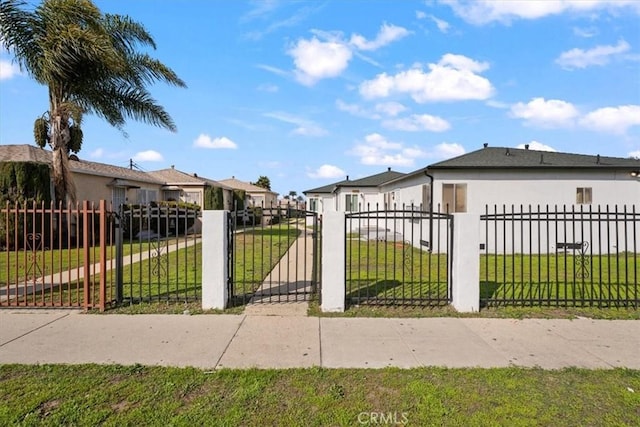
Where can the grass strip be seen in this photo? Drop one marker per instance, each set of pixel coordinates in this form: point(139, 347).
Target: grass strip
point(116, 395)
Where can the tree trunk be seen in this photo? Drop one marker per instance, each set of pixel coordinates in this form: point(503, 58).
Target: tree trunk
point(63, 184)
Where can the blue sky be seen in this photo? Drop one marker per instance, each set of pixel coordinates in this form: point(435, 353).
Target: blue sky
point(306, 92)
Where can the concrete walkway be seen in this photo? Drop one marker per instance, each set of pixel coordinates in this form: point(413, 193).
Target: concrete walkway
point(289, 281)
point(243, 341)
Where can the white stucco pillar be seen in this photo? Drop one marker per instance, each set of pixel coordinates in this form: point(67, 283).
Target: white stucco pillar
point(465, 271)
point(214, 260)
point(333, 262)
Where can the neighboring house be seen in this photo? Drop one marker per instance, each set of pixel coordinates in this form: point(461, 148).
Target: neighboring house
point(181, 186)
point(354, 195)
point(509, 176)
point(94, 181)
point(255, 196)
point(119, 185)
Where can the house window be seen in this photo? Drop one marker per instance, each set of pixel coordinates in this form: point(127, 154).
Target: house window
point(118, 197)
point(146, 196)
point(172, 195)
point(426, 197)
point(313, 205)
point(454, 197)
point(389, 200)
point(583, 195)
point(192, 197)
point(351, 203)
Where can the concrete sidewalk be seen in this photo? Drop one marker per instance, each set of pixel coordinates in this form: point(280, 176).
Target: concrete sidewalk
point(243, 341)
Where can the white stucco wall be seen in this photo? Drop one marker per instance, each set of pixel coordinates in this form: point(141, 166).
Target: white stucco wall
point(525, 188)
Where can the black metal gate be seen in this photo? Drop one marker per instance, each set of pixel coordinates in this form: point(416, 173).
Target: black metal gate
point(398, 257)
point(158, 254)
point(274, 255)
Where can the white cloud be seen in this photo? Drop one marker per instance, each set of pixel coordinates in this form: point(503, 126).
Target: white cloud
point(585, 32)
point(543, 113)
point(418, 122)
point(316, 60)
point(377, 150)
point(97, 153)
point(481, 12)
point(303, 127)
point(8, 70)
point(388, 109)
point(267, 87)
point(327, 171)
point(388, 34)
point(537, 146)
point(378, 141)
point(612, 119)
point(599, 55)
point(391, 109)
point(442, 25)
point(448, 150)
point(497, 104)
point(420, 14)
point(274, 70)
point(148, 156)
point(356, 110)
point(205, 141)
point(453, 78)
point(635, 154)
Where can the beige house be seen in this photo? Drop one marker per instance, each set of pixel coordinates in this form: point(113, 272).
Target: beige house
point(94, 181)
point(256, 196)
point(184, 187)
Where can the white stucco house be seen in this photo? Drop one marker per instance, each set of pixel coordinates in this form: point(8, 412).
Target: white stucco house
point(500, 176)
point(501, 179)
point(353, 195)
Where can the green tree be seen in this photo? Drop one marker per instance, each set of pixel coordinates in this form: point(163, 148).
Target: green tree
point(91, 65)
point(264, 182)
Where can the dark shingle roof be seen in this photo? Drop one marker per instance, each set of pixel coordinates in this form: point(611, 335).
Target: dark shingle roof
point(506, 158)
point(330, 188)
point(367, 181)
point(373, 180)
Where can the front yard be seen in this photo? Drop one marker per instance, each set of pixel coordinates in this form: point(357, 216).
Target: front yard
point(137, 395)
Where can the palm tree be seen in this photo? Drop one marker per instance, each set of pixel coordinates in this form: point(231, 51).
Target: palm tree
point(90, 64)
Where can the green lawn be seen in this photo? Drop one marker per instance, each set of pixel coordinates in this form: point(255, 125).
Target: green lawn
point(16, 266)
point(53, 395)
point(387, 272)
point(256, 252)
point(398, 273)
point(562, 279)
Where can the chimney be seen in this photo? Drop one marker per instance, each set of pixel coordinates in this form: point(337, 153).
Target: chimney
point(526, 146)
point(485, 145)
point(347, 177)
point(173, 166)
point(507, 153)
point(389, 169)
point(598, 159)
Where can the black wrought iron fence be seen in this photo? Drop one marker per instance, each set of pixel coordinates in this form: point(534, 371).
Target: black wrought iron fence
point(561, 256)
point(398, 257)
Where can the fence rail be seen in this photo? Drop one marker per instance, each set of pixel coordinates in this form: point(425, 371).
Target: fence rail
point(55, 256)
point(398, 257)
point(560, 256)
